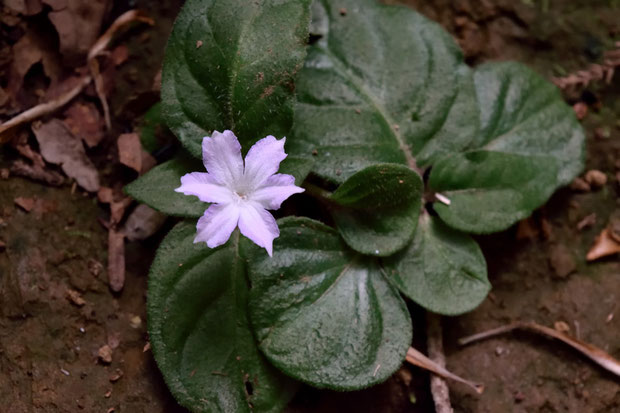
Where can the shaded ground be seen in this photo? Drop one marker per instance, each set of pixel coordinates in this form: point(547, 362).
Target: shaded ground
point(50, 341)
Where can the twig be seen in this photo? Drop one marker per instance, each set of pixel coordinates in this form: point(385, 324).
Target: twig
point(45, 108)
point(594, 353)
point(93, 65)
point(418, 359)
point(434, 343)
point(102, 43)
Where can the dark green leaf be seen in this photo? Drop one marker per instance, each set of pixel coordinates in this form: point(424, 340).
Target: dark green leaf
point(522, 113)
point(199, 331)
point(384, 85)
point(442, 270)
point(377, 209)
point(323, 314)
point(156, 188)
point(529, 145)
point(230, 64)
point(489, 191)
point(296, 166)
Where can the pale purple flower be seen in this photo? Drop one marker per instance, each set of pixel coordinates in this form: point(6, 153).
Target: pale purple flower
point(240, 195)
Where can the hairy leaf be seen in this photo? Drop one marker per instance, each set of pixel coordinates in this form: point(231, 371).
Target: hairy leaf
point(377, 209)
point(443, 270)
point(323, 314)
point(156, 188)
point(199, 330)
point(529, 145)
point(383, 85)
point(230, 64)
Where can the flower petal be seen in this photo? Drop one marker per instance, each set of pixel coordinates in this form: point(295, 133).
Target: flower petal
point(276, 190)
point(217, 223)
point(258, 225)
point(202, 185)
point(221, 155)
point(263, 160)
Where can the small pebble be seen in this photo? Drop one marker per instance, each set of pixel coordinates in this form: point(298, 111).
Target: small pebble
point(595, 178)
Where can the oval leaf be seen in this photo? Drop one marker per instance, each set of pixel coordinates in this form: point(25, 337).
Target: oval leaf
point(325, 315)
point(226, 68)
point(377, 208)
point(156, 188)
point(489, 191)
point(383, 85)
point(199, 331)
point(442, 270)
point(530, 144)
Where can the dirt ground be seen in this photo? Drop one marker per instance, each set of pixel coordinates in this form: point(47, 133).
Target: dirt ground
point(57, 312)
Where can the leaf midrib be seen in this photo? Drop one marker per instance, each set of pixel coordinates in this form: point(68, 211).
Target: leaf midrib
point(367, 95)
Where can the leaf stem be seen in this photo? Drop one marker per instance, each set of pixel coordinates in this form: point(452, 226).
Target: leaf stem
point(317, 191)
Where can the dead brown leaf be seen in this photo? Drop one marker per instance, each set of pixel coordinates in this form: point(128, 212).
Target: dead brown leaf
point(130, 151)
point(34, 172)
point(25, 7)
point(143, 222)
point(76, 298)
point(78, 23)
point(604, 245)
point(32, 48)
point(105, 354)
point(116, 260)
point(84, 121)
point(60, 147)
point(25, 203)
point(418, 359)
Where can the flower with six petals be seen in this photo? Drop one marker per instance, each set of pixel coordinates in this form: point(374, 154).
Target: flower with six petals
point(240, 193)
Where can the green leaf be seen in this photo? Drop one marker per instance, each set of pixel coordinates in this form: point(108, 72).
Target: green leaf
point(156, 188)
point(489, 191)
point(199, 331)
point(442, 270)
point(523, 113)
point(296, 166)
point(323, 314)
point(384, 85)
point(230, 64)
point(377, 209)
point(530, 144)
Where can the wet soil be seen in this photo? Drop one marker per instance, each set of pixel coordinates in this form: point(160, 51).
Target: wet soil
point(55, 256)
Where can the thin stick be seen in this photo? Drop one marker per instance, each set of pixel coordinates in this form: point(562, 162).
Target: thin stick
point(418, 359)
point(45, 108)
point(434, 343)
point(129, 16)
point(594, 353)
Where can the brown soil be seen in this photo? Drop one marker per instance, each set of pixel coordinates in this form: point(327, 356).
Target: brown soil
point(49, 340)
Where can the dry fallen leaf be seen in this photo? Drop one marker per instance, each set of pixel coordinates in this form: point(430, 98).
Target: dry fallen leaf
point(604, 245)
point(130, 151)
point(116, 260)
point(418, 359)
point(25, 7)
point(25, 203)
point(78, 23)
point(33, 48)
point(143, 222)
point(60, 147)
point(105, 354)
point(84, 121)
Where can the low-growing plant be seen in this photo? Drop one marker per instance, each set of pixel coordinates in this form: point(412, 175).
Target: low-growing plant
point(402, 149)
